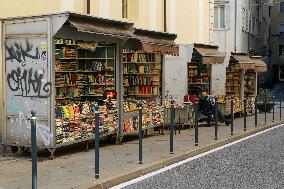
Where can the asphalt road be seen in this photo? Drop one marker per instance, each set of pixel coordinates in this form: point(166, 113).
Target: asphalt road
point(257, 162)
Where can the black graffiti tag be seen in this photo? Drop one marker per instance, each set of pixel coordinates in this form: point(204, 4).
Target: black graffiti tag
point(19, 53)
point(28, 83)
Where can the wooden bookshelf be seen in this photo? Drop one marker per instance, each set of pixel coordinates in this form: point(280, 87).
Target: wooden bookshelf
point(198, 76)
point(80, 70)
point(141, 74)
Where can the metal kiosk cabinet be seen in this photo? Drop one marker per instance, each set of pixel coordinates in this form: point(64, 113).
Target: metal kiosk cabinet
point(28, 64)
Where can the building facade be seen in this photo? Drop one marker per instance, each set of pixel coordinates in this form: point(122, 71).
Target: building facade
point(189, 19)
point(241, 26)
point(277, 39)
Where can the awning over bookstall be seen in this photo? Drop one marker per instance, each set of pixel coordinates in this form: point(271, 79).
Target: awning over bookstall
point(210, 54)
point(156, 42)
point(260, 66)
point(101, 26)
point(244, 60)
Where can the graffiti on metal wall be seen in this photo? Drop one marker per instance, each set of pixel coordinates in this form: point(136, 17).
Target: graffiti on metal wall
point(18, 52)
point(24, 79)
point(28, 83)
point(27, 88)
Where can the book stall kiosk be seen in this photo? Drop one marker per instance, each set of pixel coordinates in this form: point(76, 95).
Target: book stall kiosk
point(240, 83)
point(65, 66)
point(143, 78)
point(200, 68)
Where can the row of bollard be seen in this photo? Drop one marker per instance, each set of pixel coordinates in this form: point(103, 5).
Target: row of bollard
point(172, 128)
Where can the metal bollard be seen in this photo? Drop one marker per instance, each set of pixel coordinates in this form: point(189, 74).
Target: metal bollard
point(140, 135)
point(255, 112)
point(273, 117)
point(196, 122)
point(179, 125)
point(172, 130)
point(175, 127)
point(97, 145)
point(216, 120)
point(280, 98)
point(232, 115)
point(34, 150)
point(245, 114)
point(265, 108)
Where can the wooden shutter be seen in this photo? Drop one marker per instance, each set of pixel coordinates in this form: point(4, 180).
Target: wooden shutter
point(228, 16)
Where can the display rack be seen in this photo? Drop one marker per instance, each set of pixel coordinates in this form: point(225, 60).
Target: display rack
point(198, 75)
point(142, 83)
point(250, 89)
point(141, 74)
point(84, 80)
point(233, 87)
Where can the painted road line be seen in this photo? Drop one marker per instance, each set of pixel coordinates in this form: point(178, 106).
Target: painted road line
point(141, 178)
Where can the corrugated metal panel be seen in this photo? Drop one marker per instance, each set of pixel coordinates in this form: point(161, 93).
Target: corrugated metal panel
point(244, 60)
point(101, 26)
point(29, 27)
point(260, 66)
point(156, 42)
point(210, 54)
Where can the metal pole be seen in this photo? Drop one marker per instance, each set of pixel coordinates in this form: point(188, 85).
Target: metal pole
point(175, 127)
point(273, 118)
point(34, 150)
point(232, 115)
point(216, 120)
point(280, 98)
point(265, 108)
point(179, 123)
point(196, 122)
point(140, 135)
point(245, 114)
point(97, 145)
point(255, 112)
point(172, 130)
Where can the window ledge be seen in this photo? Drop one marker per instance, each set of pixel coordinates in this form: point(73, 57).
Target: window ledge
point(221, 29)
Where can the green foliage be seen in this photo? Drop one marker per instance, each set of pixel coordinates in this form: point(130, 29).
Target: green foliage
point(264, 95)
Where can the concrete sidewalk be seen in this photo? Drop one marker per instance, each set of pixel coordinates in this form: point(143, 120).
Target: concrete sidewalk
point(119, 163)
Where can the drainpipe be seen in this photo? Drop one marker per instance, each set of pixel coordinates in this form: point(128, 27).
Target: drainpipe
point(249, 27)
point(88, 6)
point(165, 15)
point(236, 8)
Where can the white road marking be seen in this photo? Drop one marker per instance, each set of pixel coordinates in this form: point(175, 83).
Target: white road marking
point(189, 159)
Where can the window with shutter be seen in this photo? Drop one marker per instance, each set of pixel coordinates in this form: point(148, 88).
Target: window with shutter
point(221, 16)
point(281, 29)
point(247, 21)
point(216, 17)
point(244, 19)
point(281, 7)
point(250, 24)
point(281, 50)
point(228, 17)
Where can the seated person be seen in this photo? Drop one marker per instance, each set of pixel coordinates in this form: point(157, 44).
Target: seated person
point(206, 103)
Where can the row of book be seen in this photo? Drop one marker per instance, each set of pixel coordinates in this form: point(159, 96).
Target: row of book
point(144, 90)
